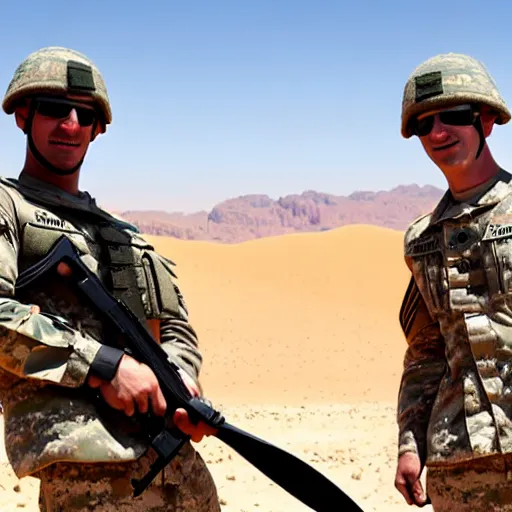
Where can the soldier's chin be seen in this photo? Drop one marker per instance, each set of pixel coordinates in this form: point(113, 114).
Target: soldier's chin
point(63, 167)
point(454, 166)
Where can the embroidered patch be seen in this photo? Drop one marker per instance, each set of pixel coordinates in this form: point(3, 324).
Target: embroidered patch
point(428, 85)
point(44, 219)
point(80, 76)
point(497, 231)
point(422, 246)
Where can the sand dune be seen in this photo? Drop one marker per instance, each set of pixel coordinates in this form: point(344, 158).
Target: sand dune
point(302, 347)
point(297, 318)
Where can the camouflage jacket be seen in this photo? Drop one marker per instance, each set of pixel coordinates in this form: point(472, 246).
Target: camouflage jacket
point(50, 413)
point(455, 398)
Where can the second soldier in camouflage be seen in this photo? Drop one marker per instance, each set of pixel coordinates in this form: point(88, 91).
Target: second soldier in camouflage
point(455, 398)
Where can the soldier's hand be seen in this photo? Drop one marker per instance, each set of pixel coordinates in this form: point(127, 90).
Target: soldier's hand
point(407, 479)
point(134, 385)
point(196, 432)
point(181, 419)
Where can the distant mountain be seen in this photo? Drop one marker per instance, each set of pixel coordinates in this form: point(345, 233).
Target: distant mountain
point(256, 216)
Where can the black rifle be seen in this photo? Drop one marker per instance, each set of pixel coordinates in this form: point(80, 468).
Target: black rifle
point(292, 474)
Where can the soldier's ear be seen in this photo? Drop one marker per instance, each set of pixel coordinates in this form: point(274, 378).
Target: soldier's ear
point(21, 112)
point(97, 131)
point(488, 117)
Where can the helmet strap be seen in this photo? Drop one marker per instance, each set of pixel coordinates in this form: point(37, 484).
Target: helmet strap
point(37, 154)
point(479, 128)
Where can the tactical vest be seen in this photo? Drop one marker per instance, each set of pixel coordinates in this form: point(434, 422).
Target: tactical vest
point(465, 265)
point(463, 268)
point(135, 273)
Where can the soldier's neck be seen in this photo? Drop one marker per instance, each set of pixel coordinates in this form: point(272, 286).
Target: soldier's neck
point(467, 194)
point(474, 180)
point(68, 184)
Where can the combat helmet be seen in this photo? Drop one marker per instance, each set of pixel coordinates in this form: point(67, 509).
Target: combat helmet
point(57, 70)
point(446, 80)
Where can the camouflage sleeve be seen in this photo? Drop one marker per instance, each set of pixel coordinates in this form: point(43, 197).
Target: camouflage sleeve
point(35, 345)
point(424, 366)
point(179, 340)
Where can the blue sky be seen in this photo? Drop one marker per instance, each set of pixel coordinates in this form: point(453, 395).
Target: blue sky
point(213, 99)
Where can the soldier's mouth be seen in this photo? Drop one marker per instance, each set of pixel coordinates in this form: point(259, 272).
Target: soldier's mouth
point(68, 143)
point(446, 146)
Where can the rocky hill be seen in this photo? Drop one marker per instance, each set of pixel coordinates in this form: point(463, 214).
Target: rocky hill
point(256, 216)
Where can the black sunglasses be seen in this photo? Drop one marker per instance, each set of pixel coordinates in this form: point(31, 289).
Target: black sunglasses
point(60, 108)
point(459, 116)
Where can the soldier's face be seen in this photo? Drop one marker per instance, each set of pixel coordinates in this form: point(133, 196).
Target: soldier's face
point(453, 141)
point(451, 144)
point(62, 129)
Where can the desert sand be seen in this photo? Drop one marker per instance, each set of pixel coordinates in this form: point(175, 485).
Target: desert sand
point(303, 348)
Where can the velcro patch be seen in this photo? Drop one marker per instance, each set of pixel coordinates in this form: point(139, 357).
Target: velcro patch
point(80, 76)
point(428, 85)
point(409, 306)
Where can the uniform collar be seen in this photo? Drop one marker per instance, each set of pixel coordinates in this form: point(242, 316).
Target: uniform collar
point(449, 208)
point(50, 191)
point(49, 195)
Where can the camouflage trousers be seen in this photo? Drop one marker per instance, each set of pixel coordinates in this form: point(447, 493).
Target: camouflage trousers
point(185, 485)
point(484, 486)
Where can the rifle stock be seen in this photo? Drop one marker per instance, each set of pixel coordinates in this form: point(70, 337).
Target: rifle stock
point(292, 474)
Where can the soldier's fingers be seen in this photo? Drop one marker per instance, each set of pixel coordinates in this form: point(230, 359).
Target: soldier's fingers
point(129, 406)
point(197, 436)
point(196, 432)
point(158, 401)
point(182, 421)
point(404, 491)
point(207, 429)
point(202, 430)
point(64, 269)
point(142, 402)
point(417, 492)
point(94, 382)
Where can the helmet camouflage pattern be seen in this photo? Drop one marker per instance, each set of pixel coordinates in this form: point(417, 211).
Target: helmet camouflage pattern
point(446, 80)
point(58, 71)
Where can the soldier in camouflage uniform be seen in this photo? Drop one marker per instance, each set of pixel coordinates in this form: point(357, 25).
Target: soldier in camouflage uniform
point(70, 401)
point(455, 399)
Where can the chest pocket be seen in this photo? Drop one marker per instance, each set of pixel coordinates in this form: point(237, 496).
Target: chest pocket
point(428, 269)
point(466, 280)
point(133, 273)
point(37, 240)
point(139, 277)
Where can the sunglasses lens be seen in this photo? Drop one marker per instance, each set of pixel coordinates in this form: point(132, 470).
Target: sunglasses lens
point(85, 116)
point(423, 126)
point(461, 117)
point(55, 110)
point(62, 109)
point(457, 117)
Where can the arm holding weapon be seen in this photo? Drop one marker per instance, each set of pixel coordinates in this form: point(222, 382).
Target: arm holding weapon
point(134, 385)
point(289, 472)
